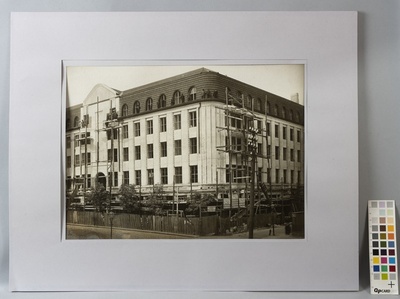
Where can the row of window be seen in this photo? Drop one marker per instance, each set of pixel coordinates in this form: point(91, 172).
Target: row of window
point(256, 104)
point(165, 179)
point(84, 138)
point(163, 149)
point(283, 113)
point(285, 154)
point(113, 155)
point(284, 133)
point(162, 123)
point(239, 174)
point(177, 98)
point(236, 122)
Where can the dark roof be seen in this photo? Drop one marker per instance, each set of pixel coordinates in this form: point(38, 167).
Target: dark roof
point(169, 79)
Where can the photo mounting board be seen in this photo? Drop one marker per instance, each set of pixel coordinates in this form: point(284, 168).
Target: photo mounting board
point(41, 260)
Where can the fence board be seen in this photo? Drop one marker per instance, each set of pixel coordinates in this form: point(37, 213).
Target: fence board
point(208, 225)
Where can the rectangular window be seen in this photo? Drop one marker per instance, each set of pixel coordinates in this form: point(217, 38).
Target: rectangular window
point(137, 129)
point(298, 136)
point(77, 160)
point(115, 179)
point(126, 177)
point(112, 134)
point(259, 148)
point(126, 154)
point(163, 124)
point(193, 119)
point(85, 138)
point(109, 155)
point(88, 181)
point(291, 134)
point(239, 144)
point(163, 149)
point(259, 125)
point(284, 132)
point(193, 174)
point(268, 151)
point(109, 179)
point(68, 142)
point(164, 175)
point(138, 177)
point(276, 131)
point(125, 132)
point(83, 160)
point(298, 156)
point(193, 145)
point(137, 152)
point(150, 151)
point(277, 179)
point(284, 176)
point(227, 176)
point(177, 121)
point(178, 147)
point(291, 155)
point(269, 129)
point(284, 153)
point(178, 175)
point(150, 176)
point(76, 140)
point(291, 176)
point(150, 126)
point(299, 177)
point(68, 161)
point(276, 152)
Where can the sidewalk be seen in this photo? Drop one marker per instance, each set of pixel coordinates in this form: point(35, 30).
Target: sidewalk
point(259, 233)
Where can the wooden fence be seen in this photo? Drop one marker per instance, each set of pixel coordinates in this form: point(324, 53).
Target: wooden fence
point(207, 225)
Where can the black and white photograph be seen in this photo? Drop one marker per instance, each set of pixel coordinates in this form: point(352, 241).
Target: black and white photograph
point(185, 152)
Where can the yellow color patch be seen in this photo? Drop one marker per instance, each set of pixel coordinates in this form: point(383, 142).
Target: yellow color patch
point(375, 260)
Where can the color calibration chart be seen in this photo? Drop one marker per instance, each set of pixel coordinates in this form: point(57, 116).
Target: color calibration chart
point(382, 246)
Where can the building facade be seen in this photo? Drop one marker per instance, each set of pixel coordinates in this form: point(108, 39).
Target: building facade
point(186, 134)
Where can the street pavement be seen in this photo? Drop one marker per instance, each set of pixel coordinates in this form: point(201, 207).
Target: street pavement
point(91, 232)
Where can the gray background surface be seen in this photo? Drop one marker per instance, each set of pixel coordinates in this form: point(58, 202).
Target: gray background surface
point(379, 107)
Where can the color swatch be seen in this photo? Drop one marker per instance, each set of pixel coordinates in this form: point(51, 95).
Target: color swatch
point(382, 246)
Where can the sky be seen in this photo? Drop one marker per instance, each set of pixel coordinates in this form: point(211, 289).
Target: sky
point(283, 80)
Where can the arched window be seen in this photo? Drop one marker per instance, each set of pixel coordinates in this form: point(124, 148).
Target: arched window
point(149, 104)
point(178, 98)
point(290, 114)
point(258, 104)
point(239, 95)
point(249, 102)
point(125, 110)
point(276, 110)
point(283, 112)
point(162, 101)
point(68, 123)
point(136, 107)
point(76, 121)
point(192, 94)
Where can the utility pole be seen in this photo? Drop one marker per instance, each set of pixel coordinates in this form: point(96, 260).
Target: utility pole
point(252, 146)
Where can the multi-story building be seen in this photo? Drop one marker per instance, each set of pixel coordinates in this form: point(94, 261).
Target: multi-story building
point(187, 133)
